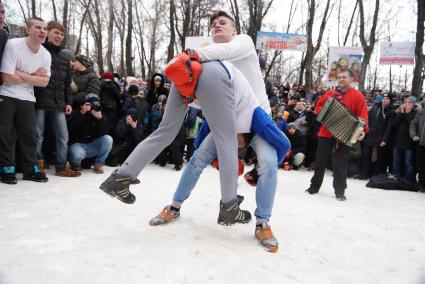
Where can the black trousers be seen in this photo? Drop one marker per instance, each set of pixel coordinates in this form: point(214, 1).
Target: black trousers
point(383, 161)
point(17, 116)
point(340, 154)
point(420, 164)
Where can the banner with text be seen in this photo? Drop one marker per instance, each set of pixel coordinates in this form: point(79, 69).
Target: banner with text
point(343, 58)
point(397, 53)
point(281, 41)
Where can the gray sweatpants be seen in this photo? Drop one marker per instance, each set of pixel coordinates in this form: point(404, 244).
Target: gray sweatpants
point(215, 93)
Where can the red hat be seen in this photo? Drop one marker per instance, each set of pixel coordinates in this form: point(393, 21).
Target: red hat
point(108, 75)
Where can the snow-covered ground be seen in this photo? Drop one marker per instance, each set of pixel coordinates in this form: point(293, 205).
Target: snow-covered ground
point(68, 231)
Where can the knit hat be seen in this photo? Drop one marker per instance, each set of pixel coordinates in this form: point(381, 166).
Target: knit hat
point(157, 77)
point(91, 98)
point(108, 75)
point(82, 59)
point(131, 111)
point(410, 99)
point(133, 90)
point(386, 95)
point(291, 125)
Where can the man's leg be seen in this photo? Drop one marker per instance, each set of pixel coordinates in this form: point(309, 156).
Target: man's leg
point(26, 131)
point(77, 153)
point(201, 158)
point(40, 115)
point(61, 139)
point(215, 93)
point(267, 180)
point(99, 148)
point(324, 149)
point(340, 159)
point(149, 149)
point(8, 108)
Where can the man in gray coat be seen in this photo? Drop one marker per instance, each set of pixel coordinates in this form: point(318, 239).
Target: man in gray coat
point(417, 133)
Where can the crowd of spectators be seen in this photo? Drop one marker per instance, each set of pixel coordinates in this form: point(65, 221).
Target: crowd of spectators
point(83, 120)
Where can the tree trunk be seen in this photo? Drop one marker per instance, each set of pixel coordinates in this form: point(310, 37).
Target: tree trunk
point(312, 50)
point(33, 6)
point(55, 14)
point(128, 41)
point(65, 22)
point(170, 49)
point(110, 35)
point(419, 54)
point(367, 48)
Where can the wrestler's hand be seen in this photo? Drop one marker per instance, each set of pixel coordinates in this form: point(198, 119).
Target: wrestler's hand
point(193, 54)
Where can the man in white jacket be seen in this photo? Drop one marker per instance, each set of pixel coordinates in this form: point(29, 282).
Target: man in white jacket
point(240, 51)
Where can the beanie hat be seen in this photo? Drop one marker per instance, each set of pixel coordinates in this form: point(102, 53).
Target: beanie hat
point(386, 95)
point(82, 59)
point(410, 99)
point(131, 111)
point(108, 75)
point(157, 77)
point(91, 98)
point(133, 90)
point(291, 125)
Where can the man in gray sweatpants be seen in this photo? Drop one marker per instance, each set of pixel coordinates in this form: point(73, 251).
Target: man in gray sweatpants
point(215, 94)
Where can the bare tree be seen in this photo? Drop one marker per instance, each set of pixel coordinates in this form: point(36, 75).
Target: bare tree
point(419, 53)
point(234, 7)
point(140, 42)
point(311, 49)
point(86, 7)
point(172, 42)
point(128, 41)
point(33, 8)
point(258, 9)
point(65, 21)
point(367, 47)
point(55, 13)
point(110, 35)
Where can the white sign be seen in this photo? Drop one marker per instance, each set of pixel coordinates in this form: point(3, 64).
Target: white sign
point(397, 53)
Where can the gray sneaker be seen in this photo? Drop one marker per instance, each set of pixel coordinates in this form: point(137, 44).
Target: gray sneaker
point(117, 186)
point(233, 214)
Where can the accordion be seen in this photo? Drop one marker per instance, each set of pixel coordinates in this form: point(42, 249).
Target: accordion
point(340, 121)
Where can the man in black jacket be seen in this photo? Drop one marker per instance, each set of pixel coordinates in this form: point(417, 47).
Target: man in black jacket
point(298, 141)
point(55, 100)
point(376, 156)
point(88, 135)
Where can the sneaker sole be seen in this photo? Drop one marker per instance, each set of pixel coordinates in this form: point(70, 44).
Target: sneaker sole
point(114, 195)
point(271, 249)
point(165, 223)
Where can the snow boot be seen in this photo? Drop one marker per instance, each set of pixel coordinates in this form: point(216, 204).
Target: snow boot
point(233, 214)
point(117, 186)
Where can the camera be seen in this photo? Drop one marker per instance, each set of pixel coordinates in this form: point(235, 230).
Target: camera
point(95, 106)
point(134, 117)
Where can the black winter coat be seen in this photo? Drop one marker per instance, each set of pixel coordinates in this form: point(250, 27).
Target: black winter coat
point(398, 129)
point(378, 122)
point(85, 128)
point(57, 94)
point(298, 142)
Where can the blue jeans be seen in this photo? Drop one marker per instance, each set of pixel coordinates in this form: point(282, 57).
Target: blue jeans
point(99, 148)
point(403, 157)
point(267, 182)
point(58, 122)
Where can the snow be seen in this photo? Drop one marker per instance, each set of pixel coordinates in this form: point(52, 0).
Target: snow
point(68, 231)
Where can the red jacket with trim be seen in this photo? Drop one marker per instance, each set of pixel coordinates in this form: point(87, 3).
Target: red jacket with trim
point(352, 98)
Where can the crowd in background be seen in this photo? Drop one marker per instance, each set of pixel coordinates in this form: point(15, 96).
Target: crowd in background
point(84, 121)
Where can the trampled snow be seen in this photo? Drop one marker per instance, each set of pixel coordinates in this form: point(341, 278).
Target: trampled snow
point(68, 231)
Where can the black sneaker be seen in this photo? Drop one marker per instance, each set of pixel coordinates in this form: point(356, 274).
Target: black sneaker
point(340, 197)
point(177, 167)
point(36, 175)
point(421, 189)
point(233, 214)
point(312, 190)
point(118, 187)
point(8, 175)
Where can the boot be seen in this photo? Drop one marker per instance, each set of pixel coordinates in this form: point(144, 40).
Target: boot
point(117, 186)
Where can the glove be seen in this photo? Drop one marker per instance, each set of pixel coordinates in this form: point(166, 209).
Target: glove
point(193, 54)
point(251, 177)
point(241, 167)
point(184, 73)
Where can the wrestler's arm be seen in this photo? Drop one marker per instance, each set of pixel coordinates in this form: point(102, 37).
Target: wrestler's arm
point(241, 46)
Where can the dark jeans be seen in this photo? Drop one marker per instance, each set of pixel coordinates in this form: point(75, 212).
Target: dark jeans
point(340, 154)
point(420, 162)
point(17, 116)
point(403, 164)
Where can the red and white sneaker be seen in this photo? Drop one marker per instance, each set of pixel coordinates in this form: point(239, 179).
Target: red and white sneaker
point(263, 233)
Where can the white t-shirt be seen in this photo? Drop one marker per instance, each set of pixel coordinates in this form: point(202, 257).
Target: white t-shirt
point(18, 56)
point(245, 100)
point(241, 53)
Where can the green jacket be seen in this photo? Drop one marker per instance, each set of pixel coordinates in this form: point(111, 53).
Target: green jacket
point(84, 83)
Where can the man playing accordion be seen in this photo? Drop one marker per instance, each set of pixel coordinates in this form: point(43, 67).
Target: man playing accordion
point(329, 145)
